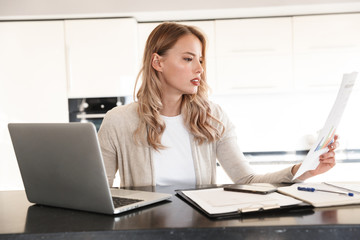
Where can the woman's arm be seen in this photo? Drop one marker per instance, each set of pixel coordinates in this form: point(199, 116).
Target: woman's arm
point(239, 170)
point(235, 163)
point(108, 149)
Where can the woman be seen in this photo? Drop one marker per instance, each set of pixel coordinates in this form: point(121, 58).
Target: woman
point(173, 134)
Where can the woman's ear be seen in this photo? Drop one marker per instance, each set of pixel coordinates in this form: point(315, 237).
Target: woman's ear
point(155, 62)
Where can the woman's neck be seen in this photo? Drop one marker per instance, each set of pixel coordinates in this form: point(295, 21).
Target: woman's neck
point(171, 106)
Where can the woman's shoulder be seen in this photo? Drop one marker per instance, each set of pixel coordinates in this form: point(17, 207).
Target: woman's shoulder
point(124, 109)
point(216, 109)
point(123, 114)
point(218, 112)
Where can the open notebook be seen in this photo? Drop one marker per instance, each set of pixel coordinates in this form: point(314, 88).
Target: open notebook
point(324, 195)
point(216, 202)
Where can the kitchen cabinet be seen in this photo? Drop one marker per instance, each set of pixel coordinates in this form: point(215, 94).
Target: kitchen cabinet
point(32, 84)
point(325, 47)
point(253, 54)
point(207, 27)
point(144, 30)
point(101, 57)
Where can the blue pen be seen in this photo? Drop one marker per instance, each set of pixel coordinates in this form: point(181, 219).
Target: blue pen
point(310, 189)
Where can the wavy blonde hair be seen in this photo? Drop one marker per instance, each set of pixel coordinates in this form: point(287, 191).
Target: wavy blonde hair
point(195, 108)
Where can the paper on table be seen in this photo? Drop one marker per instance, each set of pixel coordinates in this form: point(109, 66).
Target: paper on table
point(217, 201)
point(328, 132)
point(319, 198)
point(348, 186)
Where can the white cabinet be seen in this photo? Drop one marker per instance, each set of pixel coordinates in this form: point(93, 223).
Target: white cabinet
point(253, 53)
point(32, 84)
point(101, 56)
point(207, 27)
point(144, 30)
point(325, 47)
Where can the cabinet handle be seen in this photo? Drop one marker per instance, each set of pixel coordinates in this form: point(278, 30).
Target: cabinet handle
point(338, 47)
point(68, 68)
point(255, 50)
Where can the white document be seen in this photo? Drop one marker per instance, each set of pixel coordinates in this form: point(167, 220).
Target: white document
point(320, 198)
point(348, 186)
point(217, 201)
point(327, 133)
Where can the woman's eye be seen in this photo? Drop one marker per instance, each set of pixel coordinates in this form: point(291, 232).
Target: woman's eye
point(188, 59)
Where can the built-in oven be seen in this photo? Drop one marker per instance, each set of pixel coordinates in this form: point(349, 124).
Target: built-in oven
point(92, 109)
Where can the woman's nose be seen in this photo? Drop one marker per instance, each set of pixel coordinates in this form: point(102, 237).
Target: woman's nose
point(199, 68)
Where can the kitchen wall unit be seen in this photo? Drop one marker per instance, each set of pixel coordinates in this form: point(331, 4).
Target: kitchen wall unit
point(253, 53)
point(207, 27)
point(287, 62)
point(325, 47)
point(32, 84)
point(144, 30)
point(101, 56)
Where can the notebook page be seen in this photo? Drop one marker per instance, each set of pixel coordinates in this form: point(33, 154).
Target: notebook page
point(217, 201)
point(319, 198)
point(348, 186)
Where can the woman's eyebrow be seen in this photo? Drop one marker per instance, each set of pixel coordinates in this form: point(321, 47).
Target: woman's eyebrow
point(192, 54)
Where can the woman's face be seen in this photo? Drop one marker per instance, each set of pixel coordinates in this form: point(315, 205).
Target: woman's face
point(180, 68)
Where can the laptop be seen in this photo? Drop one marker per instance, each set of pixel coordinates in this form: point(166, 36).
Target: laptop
point(61, 165)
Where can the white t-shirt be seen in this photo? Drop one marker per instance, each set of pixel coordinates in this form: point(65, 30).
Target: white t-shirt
point(174, 165)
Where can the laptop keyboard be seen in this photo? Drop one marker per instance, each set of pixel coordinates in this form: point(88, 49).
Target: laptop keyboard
point(120, 201)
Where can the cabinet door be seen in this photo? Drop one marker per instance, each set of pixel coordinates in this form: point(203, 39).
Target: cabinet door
point(32, 84)
point(207, 27)
point(325, 47)
point(101, 57)
point(144, 30)
point(253, 53)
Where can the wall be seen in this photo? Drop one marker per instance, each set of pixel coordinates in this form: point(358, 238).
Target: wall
point(159, 10)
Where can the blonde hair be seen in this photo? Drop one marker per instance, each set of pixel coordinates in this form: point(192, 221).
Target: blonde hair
point(195, 108)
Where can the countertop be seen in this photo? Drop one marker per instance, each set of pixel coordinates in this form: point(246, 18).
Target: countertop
point(175, 219)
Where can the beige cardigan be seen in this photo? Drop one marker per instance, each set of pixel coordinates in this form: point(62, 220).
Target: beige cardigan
point(135, 162)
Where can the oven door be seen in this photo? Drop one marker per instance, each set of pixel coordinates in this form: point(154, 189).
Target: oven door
point(92, 109)
point(95, 118)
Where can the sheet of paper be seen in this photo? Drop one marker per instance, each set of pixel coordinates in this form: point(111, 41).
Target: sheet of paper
point(320, 198)
point(328, 131)
point(349, 186)
point(216, 200)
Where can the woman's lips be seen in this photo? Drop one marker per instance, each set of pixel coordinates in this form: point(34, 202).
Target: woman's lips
point(195, 81)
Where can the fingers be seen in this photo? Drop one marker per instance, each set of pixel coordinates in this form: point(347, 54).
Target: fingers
point(335, 144)
point(330, 161)
point(328, 155)
point(328, 158)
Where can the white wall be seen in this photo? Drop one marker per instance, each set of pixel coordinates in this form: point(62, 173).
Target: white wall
point(158, 10)
point(32, 84)
point(288, 121)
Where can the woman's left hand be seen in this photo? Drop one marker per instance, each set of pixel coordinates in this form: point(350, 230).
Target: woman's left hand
point(327, 161)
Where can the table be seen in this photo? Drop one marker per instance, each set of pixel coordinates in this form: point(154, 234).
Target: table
point(174, 219)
